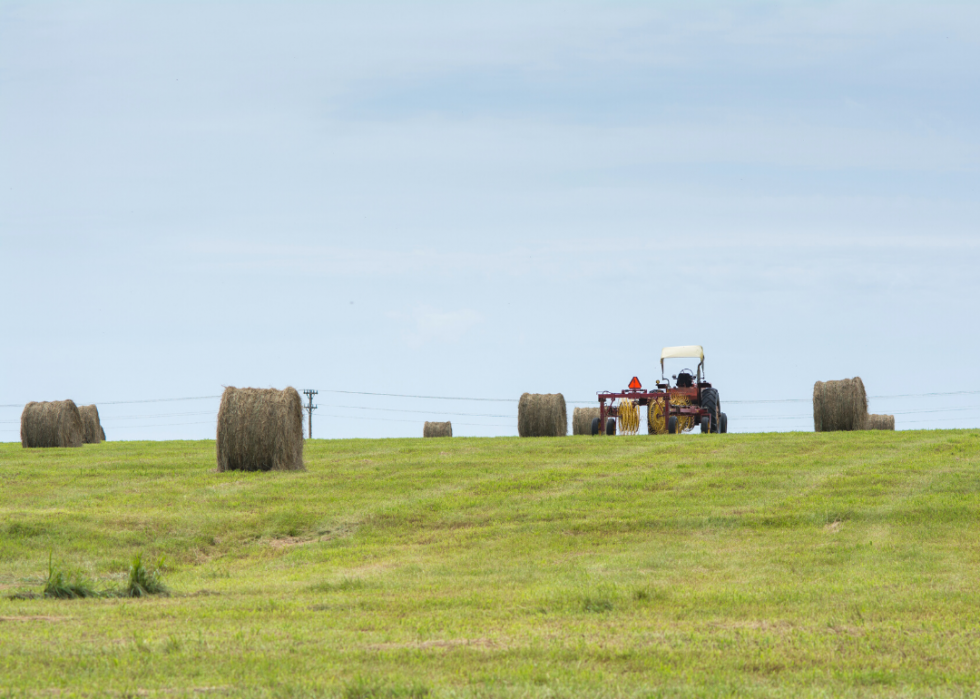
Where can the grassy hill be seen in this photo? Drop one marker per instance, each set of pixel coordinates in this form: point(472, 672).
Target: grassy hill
point(801, 564)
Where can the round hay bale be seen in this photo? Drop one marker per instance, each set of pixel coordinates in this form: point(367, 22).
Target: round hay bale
point(92, 424)
point(542, 415)
point(260, 429)
point(582, 420)
point(839, 405)
point(102, 430)
point(437, 429)
point(880, 422)
point(54, 423)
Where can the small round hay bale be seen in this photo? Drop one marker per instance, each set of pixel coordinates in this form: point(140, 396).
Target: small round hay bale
point(839, 405)
point(54, 423)
point(437, 429)
point(260, 429)
point(582, 420)
point(542, 415)
point(880, 422)
point(92, 424)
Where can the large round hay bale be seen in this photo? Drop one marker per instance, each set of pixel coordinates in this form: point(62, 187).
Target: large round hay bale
point(54, 423)
point(839, 405)
point(582, 420)
point(260, 429)
point(542, 415)
point(880, 422)
point(102, 430)
point(437, 429)
point(91, 423)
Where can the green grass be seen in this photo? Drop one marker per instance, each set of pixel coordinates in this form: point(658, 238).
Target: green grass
point(142, 581)
point(62, 584)
point(778, 565)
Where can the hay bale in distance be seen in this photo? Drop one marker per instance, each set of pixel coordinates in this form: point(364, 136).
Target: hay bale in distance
point(582, 420)
point(437, 429)
point(260, 429)
point(839, 405)
point(880, 422)
point(102, 430)
point(542, 415)
point(90, 420)
point(54, 423)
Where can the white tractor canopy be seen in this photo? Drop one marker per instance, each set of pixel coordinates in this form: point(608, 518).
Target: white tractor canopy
point(685, 352)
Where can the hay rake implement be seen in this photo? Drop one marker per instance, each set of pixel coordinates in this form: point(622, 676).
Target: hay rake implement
point(673, 409)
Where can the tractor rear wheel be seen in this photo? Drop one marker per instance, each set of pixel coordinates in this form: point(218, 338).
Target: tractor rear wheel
point(705, 425)
point(724, 423)
point(711, 403)
point(672, 424)
point(611, 427)
point(595, 426)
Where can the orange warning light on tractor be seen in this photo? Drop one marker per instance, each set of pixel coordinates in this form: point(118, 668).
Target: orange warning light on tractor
point(635, 383)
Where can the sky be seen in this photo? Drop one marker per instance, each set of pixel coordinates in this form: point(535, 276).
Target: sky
point(474, 200)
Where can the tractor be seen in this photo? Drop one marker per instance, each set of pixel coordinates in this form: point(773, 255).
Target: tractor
point(670, 409)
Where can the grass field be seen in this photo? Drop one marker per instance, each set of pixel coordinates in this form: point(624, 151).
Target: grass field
point(782, 565)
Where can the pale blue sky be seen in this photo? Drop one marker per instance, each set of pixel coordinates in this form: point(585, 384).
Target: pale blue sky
point(483, 199)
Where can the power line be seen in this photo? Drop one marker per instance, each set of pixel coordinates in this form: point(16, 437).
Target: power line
point(389, 419)
point(133, 417)
point(402, 395)
point(155, 400)
point(774, 400)
point(140, 417)
point(424, 412)
point(904, 412)
point(127, 402)
point(589, 402)
point(514, 400)
point(167, 424)
point(491, 415)
point(129, 427)
point(922, 395)
point(938, 419)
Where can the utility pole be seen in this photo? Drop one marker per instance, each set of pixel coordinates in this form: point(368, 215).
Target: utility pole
point(309, 393)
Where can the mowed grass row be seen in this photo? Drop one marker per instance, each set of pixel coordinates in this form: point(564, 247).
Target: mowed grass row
point(835, 564)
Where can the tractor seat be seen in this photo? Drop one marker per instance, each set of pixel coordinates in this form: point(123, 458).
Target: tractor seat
point(685, 380)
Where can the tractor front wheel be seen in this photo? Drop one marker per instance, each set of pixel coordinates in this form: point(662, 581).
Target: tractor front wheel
point(724, 423)
point(672, 424)
point(705, 425)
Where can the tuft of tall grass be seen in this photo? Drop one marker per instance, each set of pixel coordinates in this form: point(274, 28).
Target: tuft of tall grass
point(63, 585)
point(142, 581)
point(596, 605)
point(340, 586)
point(363, 689)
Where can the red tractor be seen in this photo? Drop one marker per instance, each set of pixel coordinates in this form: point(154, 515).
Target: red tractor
point(670, 410)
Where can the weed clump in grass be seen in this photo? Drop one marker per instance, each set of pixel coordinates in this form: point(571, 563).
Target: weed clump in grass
point(646, 594)
point(596, 605)
point(340, 586)
point(172, 645)
point(142, 581)
point(63, 585)
point(362, 689)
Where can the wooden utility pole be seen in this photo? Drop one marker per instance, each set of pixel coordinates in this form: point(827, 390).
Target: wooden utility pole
point(309, 393)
